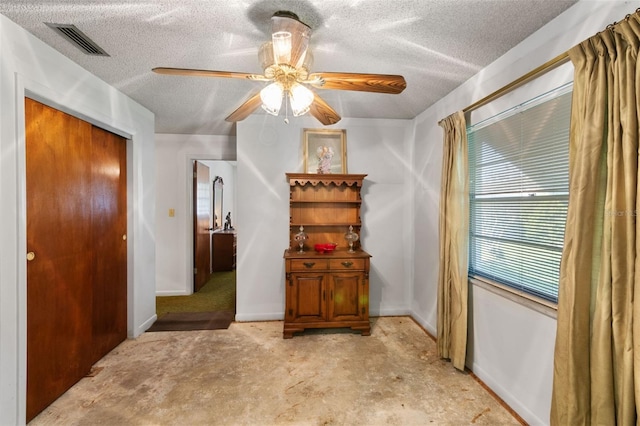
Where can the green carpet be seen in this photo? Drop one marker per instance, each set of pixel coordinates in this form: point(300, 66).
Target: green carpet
point(218, 294)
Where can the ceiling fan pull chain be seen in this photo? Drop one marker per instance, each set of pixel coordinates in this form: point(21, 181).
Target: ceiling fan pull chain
point(286, 110)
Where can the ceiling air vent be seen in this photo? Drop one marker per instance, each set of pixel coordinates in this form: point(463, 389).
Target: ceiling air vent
point(78, 39)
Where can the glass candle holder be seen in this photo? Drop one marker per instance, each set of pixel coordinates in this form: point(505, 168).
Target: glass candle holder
point(351, 238)
point(300, 238)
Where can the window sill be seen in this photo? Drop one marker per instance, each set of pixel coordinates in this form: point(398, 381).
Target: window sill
point(542, 306)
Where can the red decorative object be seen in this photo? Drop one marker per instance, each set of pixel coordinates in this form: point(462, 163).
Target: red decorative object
point(325, 248)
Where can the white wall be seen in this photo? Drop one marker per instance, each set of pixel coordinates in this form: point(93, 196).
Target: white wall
point(510, 345)
point(174, 235)
point(267, 149)
point(400, 209)
point(29, 66)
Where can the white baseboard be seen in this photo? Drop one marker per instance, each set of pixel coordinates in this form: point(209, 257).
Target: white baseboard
point(389, 312)
point(144, 326)
point(249, 317)
point(172, 293)
point(507, 397)
point(423, 323)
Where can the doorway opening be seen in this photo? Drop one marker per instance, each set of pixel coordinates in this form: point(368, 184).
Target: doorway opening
point(213, 233)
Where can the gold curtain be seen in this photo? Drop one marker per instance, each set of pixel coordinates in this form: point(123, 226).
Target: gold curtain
point(596, 365)
point(454, 242)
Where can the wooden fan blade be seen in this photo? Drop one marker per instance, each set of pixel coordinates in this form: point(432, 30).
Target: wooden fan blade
point(245, 109)
point(323, 112)
point(379, 83)
point(207, 73)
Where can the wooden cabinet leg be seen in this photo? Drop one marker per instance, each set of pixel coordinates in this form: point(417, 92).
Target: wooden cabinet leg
point(364, 330)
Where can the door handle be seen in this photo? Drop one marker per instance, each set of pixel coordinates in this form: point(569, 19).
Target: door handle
point(30, 256)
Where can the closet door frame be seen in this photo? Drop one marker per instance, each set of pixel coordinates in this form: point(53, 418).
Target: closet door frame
point(27, 88)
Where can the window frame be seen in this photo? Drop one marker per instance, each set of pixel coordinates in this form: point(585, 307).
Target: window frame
point(540, 304)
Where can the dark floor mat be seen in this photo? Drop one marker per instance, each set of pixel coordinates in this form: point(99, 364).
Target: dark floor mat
point(182, 321)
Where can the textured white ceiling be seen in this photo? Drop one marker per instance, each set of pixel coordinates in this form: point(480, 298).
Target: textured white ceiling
point(435, 44)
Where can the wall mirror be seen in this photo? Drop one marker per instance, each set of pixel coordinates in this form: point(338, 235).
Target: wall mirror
point(218, 218)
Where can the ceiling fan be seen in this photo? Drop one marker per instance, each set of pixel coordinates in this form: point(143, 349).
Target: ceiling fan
point(286, 61)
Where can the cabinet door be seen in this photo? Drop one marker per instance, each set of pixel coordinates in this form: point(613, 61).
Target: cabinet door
point(223, 251)
point(347, 299)
point(306, 298)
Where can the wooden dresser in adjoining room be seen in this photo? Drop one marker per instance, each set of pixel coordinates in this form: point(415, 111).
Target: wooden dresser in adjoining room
point(223, 245)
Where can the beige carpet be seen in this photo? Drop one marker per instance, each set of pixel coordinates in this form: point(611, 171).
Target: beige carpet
point(249, 375)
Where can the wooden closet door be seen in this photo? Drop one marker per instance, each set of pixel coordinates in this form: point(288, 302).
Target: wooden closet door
point(109, 230)
point(59, 300)
point(76, 278)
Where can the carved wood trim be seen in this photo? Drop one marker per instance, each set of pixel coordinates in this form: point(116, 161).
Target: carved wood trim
point(317, 179)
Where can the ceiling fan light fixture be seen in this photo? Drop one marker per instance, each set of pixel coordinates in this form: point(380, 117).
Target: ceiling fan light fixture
point(271, 97)
point(286, 62)
point(300, 99)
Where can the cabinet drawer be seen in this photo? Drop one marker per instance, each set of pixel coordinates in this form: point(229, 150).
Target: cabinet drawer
point(346, 264)
point(308, 264)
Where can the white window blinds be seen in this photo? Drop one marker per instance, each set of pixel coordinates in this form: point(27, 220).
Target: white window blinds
point(519, 190)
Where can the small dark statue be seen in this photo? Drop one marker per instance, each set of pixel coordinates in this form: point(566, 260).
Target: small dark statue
point(227, 223)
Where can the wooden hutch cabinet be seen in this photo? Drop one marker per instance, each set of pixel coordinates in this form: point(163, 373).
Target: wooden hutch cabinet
point(325, 290)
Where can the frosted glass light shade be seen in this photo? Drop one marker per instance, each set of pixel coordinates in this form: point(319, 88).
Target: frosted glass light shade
point(271, 97)
point(281, 47)
point(295, 45)
point(300, 99)
point(265, 55)
point(308, 60)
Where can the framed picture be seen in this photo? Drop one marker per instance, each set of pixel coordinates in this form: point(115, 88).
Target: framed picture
point(325, 151)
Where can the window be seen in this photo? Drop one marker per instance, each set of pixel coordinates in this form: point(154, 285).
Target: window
point(519, 192)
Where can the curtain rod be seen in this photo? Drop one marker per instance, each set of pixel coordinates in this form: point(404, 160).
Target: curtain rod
point(547, 66)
